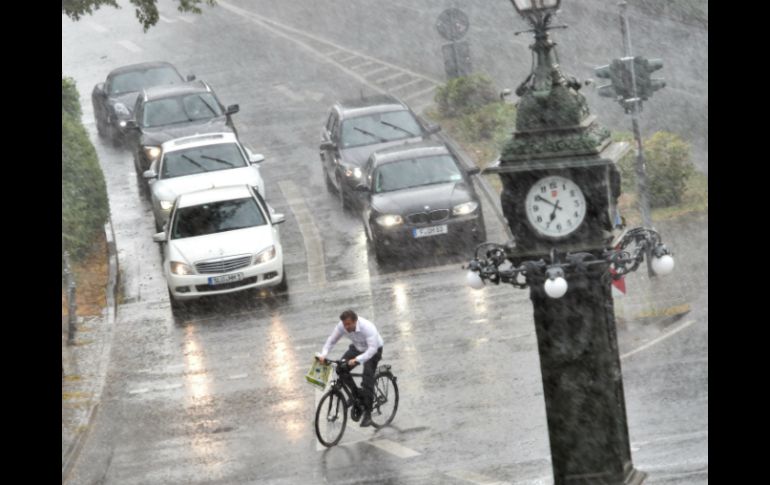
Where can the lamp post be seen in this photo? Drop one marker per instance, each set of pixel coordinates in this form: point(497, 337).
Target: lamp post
point(560, 190)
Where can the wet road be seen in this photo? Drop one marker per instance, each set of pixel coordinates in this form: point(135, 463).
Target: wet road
point(217, 395)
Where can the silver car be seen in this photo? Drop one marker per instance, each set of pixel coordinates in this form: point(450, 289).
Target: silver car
point(200, 162)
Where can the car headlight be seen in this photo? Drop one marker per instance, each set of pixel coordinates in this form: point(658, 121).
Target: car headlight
point(464, 209)
point(353, 172)
point(389, 220)
point(122, 123)
point(120, 109)
point(166, 205)
point(152, 153)
point(265, 255)
point(180, 268)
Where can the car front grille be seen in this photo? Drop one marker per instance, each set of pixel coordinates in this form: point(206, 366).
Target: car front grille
point(222, 265)
point(227, 286)
point(428, 217)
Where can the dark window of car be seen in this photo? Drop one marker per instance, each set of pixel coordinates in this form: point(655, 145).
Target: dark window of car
point(180, 109)
point(416, 172)
point(379, 128)
point(133, 81)
point(208, 158)
point(214, 217)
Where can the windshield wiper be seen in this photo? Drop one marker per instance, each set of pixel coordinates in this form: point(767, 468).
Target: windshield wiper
point(381, 139)
point(195, 163)
point(397, 128)
point(217, 160)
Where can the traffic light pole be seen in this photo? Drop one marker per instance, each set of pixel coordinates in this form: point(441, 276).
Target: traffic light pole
point(641, 172)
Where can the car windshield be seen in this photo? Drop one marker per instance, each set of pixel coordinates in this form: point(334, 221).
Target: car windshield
point(379, 128)
point(415, 172)
point(180, 109)
point(209, 158)
point(214, 217)
point(133, 81)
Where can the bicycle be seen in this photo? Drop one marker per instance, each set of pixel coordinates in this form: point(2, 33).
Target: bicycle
point(331, 417)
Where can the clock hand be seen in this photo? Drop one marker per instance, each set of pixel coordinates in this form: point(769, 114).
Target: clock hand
point(537, 197)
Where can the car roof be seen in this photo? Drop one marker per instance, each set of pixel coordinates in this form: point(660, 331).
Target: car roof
point(377, 103)
point(216, 194)
point(410, 150)
point(169, 90)
point(142, 66)
point(198, 140)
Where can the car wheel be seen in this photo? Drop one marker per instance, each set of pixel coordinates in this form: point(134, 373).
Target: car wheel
point(283, 286)
point(100, 127)
point(177, 306)
point(380, 252)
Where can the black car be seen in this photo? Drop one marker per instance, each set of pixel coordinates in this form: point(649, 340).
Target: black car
point(163, 113)
point(355, 128)
point(114, 99)
point(419, 193)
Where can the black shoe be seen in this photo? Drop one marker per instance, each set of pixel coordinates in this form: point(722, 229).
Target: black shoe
point(366, 420)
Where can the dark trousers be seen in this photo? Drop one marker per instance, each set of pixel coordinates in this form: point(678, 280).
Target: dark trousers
point(367, 384)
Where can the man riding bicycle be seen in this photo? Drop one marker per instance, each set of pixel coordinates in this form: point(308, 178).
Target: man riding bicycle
point(366, 349)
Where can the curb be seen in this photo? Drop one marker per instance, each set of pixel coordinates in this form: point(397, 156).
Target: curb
point(72, 454)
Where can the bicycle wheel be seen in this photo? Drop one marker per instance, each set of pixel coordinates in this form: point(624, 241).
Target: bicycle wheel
point(385, 402)
point(331, 418)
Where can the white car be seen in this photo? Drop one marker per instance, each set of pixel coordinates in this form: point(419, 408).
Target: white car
point(199, 162)
point(221, 240)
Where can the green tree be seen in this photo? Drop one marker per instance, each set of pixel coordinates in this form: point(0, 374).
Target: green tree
point(464, 95)
point(146, 10)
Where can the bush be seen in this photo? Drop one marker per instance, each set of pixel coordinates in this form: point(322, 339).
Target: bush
point(85, 207)
point(489, 121)
point(668, 167)
point(463, 95)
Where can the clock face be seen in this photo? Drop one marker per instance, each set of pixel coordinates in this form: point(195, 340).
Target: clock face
point(555, 206)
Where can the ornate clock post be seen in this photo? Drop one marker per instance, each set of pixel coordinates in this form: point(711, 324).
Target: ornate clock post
point(560, 187)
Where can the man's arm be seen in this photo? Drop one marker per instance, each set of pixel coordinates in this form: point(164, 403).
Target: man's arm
point(332, 340)
point(371, 349)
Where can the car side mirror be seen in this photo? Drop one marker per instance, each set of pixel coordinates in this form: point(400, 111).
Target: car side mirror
point(99, 88)
point(149, 174)
point(159, 237)
point(190, 77)
point(278, 218)
point(232, 109)
point(328, 145)
point(131, 125)
point(473, 171)
point(362, 188)
point(256, 158)
point(433, 128)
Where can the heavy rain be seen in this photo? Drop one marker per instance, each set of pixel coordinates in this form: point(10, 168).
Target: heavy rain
point(235, 179)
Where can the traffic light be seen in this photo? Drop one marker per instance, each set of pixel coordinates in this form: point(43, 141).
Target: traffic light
point(646, 85)
point(619, 75)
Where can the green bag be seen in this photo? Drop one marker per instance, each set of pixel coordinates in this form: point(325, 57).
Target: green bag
point(318, 375)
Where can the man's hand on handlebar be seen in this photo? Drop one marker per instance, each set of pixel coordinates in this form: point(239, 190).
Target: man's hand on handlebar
point(352, 363)
point(322, 360)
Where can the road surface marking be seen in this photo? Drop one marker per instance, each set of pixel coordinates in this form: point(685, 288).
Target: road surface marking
point(419, 93)
point(348, 58)
point(130, 45)
point(394, 448)
point(311, 237)
point(476, 478)
point(189, 20)
point(138, 391)
point(673, 437)
point(659, 339)
point(289, 93)
point(168, 387)
point(238, 376)
point(392, 76)
point(369, 73)
point(97, 27)
point(167, 20)
point(408, 83)
point(358, 66)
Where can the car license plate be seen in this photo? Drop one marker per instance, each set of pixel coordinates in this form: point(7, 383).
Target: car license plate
point(228, 278)
point(430, 231)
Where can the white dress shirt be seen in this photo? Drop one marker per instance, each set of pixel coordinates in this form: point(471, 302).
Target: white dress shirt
point(365, 338)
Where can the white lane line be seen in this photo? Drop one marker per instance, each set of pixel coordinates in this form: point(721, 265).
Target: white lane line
point(369, 73)
point(311, 237)
point(238, 376)
point(392, 76)
point(408, 83)
point(130, 45)
point(167, 20)
point(476, 478)
point(138, 391)
point(286, 91)
point(189, 20)
point(97, 27)
point(348, 58)
point(419, 93)
point(168, 387)
point(394, 448)
point(659, 339)
point(358, 66)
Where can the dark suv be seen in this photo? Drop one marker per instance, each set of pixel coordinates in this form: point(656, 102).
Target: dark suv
point(163, 113)
point(358, 127)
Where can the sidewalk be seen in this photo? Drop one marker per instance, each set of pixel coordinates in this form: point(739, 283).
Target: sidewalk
point(85, 367)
